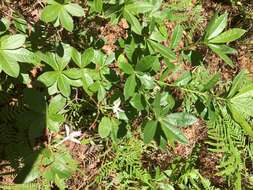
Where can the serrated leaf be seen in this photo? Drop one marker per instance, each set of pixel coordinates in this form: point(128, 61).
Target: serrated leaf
point(74, 9)
point(236, 84)
point(220, 53)
point(173, 133)
point(130, 86)
point(66, 20)
point(104, 128)
point(176, 36)
point(124, 66)
point(135, 24)
point(12, 42)
point(63, 86)
point(180, 119)
point(228, 36)
point(139, 7)
point(164, 51)
point(9, 65)
point(87, 57)
point(138, 102)
point(50, 13)
point(149, 131)
point(48, 78)
point(218, 26)
point(146, 63)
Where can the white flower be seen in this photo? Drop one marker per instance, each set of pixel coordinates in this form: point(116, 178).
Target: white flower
point(70, 136)
point(116, 109)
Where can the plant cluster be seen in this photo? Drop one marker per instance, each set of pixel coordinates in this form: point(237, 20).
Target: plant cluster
point(142, 95)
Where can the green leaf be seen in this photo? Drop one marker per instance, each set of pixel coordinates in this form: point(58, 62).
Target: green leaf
point(74, 9)
point(48, 78)
point(176, 36)
point(180, 119)
point(147, 81)
point(228, 36)
point(12, 42)
point(104, 128)
point(73, 73)
point(237, 82)
point(124, 66)
point(76, 56)
point(217, 26)
point(149, 131)
point(9, 65)
point(63, 86)
point(50, 13)
point(220, 53)
point(139, 7)
point(56, 104)
point(184, 79)
point(130, 86)
point(211, 83)
point(243, 100)
point(146, 63)
point(172, 133)
point(98, 5)
point(164, 51)
point(241, 121)
point(66, 20)
point(135, 24)
point(87, 57)
point(138, 102)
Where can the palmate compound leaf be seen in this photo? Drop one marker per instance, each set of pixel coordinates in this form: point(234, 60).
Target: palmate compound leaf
point(61, 13)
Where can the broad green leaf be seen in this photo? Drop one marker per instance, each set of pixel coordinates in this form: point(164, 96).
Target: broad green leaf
point(63, 86)
point(66, 20)
point(139, 7)
point(73, 73)
point(228, 36)
point(50, 13)
point(104, 128)
point(147, 81)
point(87, 57)
point(12, 42)
point(124, 66)
point(223, 48)
point(173, 133)
point(74, 9)
point(241, 121)
point(48, 78)
point(138, 102)
point(135, 24)
point(243, 100)
point(218, 26)
point(101, 93)
point(223, 56)
point(9, 65)
point(130, 86)
point(176, 36)
point(236, 85)
point(164, 51)
point(146, 63)
point(211, 83)
point(149, 131)
point(76, 56)
point(56, 104)
point(180, 119)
